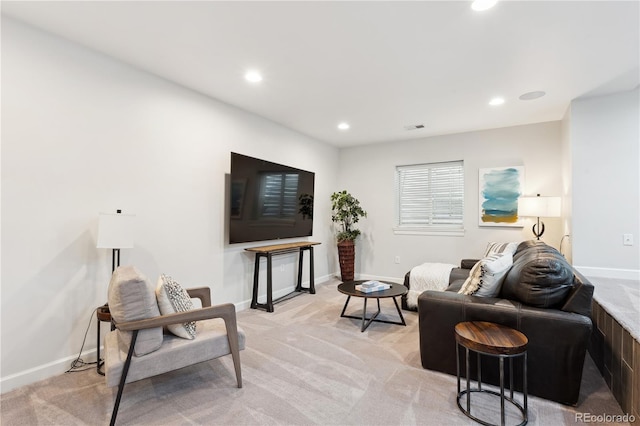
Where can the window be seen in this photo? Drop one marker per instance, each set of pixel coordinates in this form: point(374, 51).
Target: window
point(430, 198)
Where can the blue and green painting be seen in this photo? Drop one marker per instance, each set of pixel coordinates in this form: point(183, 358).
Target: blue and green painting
point(500, 195)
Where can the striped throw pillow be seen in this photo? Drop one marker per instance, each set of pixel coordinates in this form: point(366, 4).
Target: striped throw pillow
point(493, 248)
point(486, 277)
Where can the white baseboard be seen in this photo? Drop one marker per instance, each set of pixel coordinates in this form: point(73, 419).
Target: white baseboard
point(381, 278)
point(621, 274)
point(43, 372)
point(371, 277)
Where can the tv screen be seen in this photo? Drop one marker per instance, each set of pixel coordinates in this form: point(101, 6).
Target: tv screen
point(269, 201)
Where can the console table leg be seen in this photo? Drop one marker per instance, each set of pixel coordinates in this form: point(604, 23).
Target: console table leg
point(300, 255)
point(256, 274)
point(269, 284)
point(312, 288)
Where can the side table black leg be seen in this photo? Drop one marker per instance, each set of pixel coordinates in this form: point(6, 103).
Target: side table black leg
point(524, 387)
point(98, 359)
point(501, 391)
point(102, 315)
point(364, 314)
point(345, 306)
point(458, 367)
point(468, 364)
point(399, 312)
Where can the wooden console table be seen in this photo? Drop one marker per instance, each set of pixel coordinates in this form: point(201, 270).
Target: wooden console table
point(269, 252)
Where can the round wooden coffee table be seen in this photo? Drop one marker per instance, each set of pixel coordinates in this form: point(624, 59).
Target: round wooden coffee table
point(349, 288)
point(486, 338)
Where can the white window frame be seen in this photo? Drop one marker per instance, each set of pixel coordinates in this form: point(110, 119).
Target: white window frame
point(428, 219)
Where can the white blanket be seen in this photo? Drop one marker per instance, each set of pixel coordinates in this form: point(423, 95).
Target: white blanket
point(428, 276)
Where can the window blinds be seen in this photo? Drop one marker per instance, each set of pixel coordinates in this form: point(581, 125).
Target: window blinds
point(430, 195)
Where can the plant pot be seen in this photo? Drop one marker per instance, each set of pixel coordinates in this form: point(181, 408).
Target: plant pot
point(347, 258)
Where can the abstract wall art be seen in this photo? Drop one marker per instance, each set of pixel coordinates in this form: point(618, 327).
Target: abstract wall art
point(500, 189)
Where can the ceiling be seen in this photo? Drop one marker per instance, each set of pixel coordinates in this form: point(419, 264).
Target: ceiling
point(380, 66)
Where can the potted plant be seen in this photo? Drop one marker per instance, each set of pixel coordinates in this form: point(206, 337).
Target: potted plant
point(346, 211)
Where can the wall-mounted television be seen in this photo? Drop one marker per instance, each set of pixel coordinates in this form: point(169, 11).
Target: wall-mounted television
point(269, 201)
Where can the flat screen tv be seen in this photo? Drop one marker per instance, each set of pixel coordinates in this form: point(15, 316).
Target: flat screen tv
point(269, 201)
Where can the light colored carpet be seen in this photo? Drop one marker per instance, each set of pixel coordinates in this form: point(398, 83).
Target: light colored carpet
point(303, 365)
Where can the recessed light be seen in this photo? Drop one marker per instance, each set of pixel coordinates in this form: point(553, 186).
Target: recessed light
point(496, 101)
point(532, 95)
point(343, 126)
point(480, 5)
point(253, 76)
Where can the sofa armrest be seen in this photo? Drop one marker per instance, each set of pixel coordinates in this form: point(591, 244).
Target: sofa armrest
point(468, 263)
point(458, 274)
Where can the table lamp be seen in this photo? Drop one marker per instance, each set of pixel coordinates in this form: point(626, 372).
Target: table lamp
point(539, 207)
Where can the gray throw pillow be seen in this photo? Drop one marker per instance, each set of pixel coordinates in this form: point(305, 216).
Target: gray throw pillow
point(132, 297)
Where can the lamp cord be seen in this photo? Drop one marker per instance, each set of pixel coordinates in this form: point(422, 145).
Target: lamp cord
point(561, 241)
point(78, 363)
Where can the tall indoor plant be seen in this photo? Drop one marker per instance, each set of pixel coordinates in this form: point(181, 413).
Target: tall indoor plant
point(346, 211)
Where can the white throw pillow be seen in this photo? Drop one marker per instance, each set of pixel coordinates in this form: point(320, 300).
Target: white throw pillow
point(496, 248)
point(486, 276)
point(173, 298)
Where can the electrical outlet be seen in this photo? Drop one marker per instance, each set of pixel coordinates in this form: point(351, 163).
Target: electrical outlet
point(397, 259)
point(627, 239)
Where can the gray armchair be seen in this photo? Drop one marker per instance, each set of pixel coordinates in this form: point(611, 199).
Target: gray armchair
point(138, 348)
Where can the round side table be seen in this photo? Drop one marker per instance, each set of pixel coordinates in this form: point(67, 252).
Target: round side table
point(486, 338)
point(104, 315)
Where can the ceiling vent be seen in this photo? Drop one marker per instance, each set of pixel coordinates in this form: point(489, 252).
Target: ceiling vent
point(414, 126)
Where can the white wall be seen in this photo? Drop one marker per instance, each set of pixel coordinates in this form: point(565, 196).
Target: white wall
point(367, 172)
point(605, 143)
point(84, 134)
point(567, 188)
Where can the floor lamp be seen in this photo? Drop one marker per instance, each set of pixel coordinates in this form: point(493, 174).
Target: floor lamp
point(539, 207)
point(115, 232)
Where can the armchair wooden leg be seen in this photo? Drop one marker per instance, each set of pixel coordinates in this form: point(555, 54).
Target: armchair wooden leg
point(234, 345)
point(123, 378)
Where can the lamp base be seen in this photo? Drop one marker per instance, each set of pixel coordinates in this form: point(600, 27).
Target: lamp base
point(538, 229)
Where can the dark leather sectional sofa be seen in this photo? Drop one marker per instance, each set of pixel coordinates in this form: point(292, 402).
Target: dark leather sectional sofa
point(543, 297)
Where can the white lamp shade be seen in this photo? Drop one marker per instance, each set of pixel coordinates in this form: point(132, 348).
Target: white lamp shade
point(539, 206)
point(115, 230)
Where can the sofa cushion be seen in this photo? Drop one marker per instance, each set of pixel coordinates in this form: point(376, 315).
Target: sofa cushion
point(540, 276)
point(485, 278)
point(173, 298)
point(132, 297)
